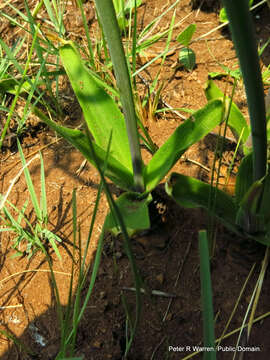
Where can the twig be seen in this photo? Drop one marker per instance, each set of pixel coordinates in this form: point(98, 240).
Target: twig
point(153, 292)
point(10, 306)
point(33, 270)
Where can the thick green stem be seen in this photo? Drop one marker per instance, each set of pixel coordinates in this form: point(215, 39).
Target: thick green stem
point(109, 23)
point(243, 35)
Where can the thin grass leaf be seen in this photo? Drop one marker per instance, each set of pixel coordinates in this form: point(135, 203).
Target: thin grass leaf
point(7, 62)
point(258, 290)
point(127, 246)
point(207, 298)
point(30, 185)
point(56, 15)
point(168, 41)
point(43, 199)
point(31, 95)
point(87, 33)
point(78, 308)
point(24, 76)
point(84, 272)
point(52, 238)
point(218, 341)
point(22, 348)
point(153, 23)
point(22, 211)
point(77, 302)
point(41, 51)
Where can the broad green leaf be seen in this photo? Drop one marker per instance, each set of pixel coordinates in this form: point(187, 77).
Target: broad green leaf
point(218, 75)
point(236, 120)
point(248, 215)
point(186, 35)
point(187, 58)
point(253, 215)
point(101, 113)
point(115, 171)
point(130, 5)
point(188, 133)
point(223, 15)
point(244, 178)
point(193, 193)
point(134, 211)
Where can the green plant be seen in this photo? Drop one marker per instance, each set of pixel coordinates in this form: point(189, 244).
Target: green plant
point(247, 213)
point(223, 14)
point(18, 85)
point(120, 160)
point(123, 8)
point(102, 116)
point(30, 237)
point(187, 57)
point(70, 316)
point(111, 142)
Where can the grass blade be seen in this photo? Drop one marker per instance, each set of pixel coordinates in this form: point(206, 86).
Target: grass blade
point(243, 34)
point(207, 298)
point(30, 185)
point(43, 199)
point(110, 27)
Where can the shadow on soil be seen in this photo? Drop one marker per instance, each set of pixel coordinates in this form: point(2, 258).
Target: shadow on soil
point(168, 260)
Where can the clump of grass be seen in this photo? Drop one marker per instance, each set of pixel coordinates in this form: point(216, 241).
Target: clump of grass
point(31, 237)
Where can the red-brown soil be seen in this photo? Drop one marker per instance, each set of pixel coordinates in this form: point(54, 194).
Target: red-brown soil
point(167, 256)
